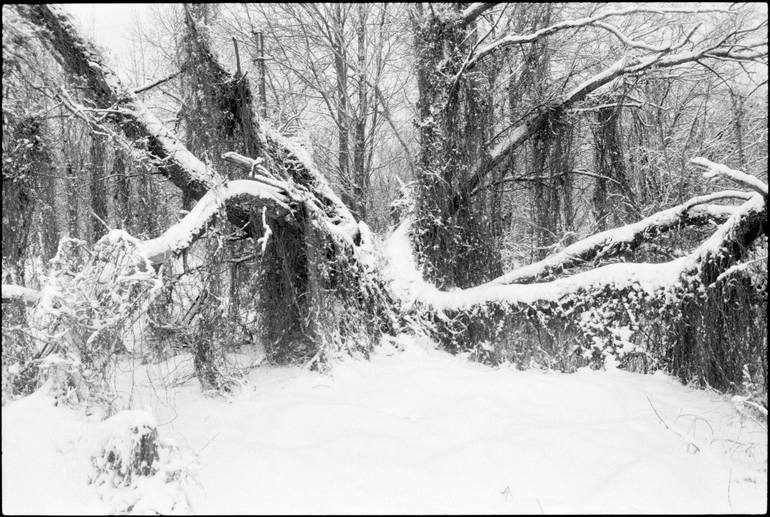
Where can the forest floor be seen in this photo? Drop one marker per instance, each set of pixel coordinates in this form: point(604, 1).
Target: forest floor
point(413, 430)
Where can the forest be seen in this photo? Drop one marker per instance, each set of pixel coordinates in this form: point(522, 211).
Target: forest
point(462, 218)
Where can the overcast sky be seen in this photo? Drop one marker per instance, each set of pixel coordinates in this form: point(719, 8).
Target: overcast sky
point(109, 25)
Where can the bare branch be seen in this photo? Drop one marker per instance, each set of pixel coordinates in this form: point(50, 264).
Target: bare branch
point(510, 40)
point(157, 83)
point(624, 66)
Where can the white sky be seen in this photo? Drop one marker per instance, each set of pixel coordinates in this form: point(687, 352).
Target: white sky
point(109, 25)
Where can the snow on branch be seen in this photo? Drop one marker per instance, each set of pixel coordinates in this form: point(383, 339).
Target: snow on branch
point(474, 10)
point(17, 293)
point(716, 170)
point(317, 191)
point(707, 261)
point(182, 235)
point(625, 238)
point(595, 20)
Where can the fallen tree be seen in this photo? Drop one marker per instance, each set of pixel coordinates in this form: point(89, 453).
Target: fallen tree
point(331, 299)
point(621, 310)
point(299, 271)
point(695, 315)
point(463, 162)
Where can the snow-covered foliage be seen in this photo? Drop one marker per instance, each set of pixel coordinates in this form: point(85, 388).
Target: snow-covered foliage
point(135, 470)
point(88, 301)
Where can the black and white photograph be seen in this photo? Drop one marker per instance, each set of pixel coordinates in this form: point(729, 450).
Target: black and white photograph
point(384, 258)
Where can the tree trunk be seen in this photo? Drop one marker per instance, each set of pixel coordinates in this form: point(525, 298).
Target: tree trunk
point(610, 165)
point(97, 187)
point(451, 241)
point(343, 120)
point(360, 173)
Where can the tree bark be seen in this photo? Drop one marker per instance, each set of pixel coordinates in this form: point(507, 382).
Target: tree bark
point(97, 187)
point(610, 165)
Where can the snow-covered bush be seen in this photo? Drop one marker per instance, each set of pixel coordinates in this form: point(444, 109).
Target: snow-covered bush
point(88, 300)
point(135, 470)
point(128, 447)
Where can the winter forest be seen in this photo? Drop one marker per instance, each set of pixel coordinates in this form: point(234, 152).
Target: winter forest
point(384, 258)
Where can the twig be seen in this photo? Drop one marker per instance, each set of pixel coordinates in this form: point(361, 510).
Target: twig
point(158, 82)
point(689, 442)
point(101, 220)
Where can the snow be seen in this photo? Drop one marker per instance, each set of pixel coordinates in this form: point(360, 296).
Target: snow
point(42, 473)
point(615, 237)
point(19, 292)
point(716, 170)
point(412, 431)
point(401, 269)
point(182, 234)
point(407, 282)
point(113, 433)
point(346, 228)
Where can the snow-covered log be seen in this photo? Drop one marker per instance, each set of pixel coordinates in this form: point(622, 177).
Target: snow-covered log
point(727, 245)
point(679, 314)
point(17, 293)
point(645, 312)
point(624, 239)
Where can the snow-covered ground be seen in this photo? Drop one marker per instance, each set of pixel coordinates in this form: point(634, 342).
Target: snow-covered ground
point(412, 431)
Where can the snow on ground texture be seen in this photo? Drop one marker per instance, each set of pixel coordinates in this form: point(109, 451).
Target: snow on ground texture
point(418, 431)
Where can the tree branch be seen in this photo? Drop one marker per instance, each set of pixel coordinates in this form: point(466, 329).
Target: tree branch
point(715, 170)
point(510, 40)
point(519, 134)
point(727, 245)
point(473, 11)
point(153, 84)
point(182, 235)
point(625, 238)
